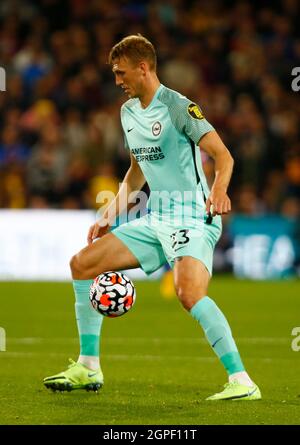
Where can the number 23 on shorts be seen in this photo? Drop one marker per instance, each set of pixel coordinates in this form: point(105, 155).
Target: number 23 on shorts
point(179, 239)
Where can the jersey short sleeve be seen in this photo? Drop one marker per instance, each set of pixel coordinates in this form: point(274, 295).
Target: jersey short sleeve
point(186, 116)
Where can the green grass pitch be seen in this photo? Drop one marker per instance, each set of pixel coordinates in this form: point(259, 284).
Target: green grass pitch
point(158, 368)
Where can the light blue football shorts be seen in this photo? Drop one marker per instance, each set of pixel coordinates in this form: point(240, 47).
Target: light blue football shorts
point(155, 241)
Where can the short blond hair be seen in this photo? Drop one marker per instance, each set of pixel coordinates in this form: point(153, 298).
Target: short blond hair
point(136, 48)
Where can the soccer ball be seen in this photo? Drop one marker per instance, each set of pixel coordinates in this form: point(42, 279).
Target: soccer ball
point(112, 294)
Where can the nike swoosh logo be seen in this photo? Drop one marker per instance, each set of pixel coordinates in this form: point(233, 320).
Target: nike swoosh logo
point(130, 129)
point(252, 392)
point(216, 342)
point(246, 394)
point(92, 374)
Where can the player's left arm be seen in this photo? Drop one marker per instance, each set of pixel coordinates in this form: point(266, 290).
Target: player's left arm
point(213, 145)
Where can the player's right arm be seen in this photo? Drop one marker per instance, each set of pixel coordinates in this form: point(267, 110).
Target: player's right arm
point(133, 181)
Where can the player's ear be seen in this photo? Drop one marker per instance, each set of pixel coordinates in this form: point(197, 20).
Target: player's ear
point(143, 67)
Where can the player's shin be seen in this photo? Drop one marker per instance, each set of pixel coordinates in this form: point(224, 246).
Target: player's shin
point(219, 336)
point(89, 324)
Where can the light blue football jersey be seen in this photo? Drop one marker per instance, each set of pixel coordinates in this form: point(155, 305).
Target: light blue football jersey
point(164, 139)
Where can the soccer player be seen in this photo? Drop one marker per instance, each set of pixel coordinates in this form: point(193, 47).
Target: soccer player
point(163, 131)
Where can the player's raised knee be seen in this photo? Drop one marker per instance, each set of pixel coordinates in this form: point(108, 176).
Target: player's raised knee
point(75, 265)
point(79, 270)
point(80, 267)
point(84, 267)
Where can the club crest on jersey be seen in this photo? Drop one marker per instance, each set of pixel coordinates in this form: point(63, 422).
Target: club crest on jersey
point(195, 111)
point(156, 128)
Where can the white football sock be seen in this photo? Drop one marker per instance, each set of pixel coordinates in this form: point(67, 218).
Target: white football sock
point(241, 377)
point(90, 361)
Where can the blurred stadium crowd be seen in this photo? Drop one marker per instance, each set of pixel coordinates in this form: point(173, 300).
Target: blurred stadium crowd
point(61, 140)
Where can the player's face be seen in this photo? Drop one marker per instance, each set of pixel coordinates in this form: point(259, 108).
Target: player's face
point(129, 77)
